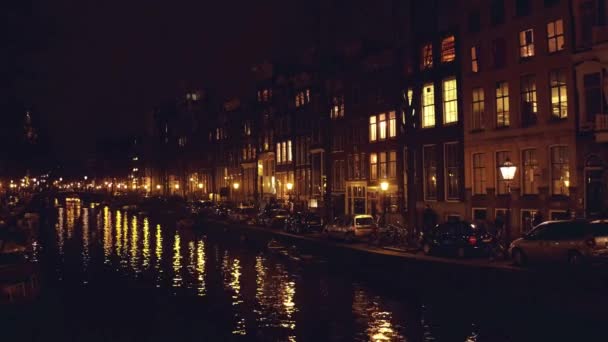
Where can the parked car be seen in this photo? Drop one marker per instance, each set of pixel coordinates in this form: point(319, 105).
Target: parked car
point(573, 241)
point(276, 218)
point(459, 237)
point(304, 223)
point(351, 227)
point(241, 215)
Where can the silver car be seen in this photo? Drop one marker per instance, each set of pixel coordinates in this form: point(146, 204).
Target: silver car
point(351, 228)
point(574, 242)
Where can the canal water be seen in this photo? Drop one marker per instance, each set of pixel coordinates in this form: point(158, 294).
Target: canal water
point(111, 276)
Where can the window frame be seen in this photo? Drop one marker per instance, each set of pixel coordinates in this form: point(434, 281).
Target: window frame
point(558, 81)
point(392, 124)
point(535, 165)
point(426, 56)
point(526, 48)
point(478, 102)
point(482, 180)
point(451, 102)
point(503, 97)
point(448, 49)
point(426, 163)
point(553, 36)
point(475, 59)
point(428, 109)
point(373, 166)
point(564, 166)
point(454, 168)
point(373, 128)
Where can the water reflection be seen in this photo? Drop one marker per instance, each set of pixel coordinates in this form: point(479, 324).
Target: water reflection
point(146, 246)
point(200, 268)
point(376, 319)
point(177, 261)
point(259, 293)
point(85, 239)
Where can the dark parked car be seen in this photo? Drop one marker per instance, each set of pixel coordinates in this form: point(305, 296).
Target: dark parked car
point(276, 218)
point(460, 237)
point(304, 223)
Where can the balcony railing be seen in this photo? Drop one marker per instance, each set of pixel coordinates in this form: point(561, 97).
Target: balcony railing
point(601, 128)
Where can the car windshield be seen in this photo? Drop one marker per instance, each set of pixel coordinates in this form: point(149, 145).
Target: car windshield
point(364, 221)
point(599, 229)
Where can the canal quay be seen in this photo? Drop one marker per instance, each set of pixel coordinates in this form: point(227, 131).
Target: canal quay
point(106, 274)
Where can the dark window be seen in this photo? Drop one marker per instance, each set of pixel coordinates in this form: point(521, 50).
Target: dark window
point(474, 21)
point(356, 94)
point(480, 214)
point(498, 52)
point(497, 12)
point(549, 3)
point(522, 7)
point(593, 96)
point(599, 229)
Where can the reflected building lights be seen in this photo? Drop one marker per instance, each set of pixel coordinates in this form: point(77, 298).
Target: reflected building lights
point(146, 247)
point(200, 268)
point(237, 299)
point(378, 321)
point(85, 239)
point(107, 235)
point(60, 230)
point(118, 236)
point(134, 244)
point(158, 253)
point(177, 261)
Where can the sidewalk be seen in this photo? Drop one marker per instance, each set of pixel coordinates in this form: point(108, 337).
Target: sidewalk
point(482, 263)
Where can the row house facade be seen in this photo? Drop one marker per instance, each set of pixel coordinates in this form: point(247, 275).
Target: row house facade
point(590, 61)
point(518, 94)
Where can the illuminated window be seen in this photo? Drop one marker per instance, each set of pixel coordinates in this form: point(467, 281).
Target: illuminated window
point(479, 174)
point(450, 101)
point(474, 59)
point(501, 183)
point(559, 97)
point(555, 35)
point(428, 106)
point(526, 43)
point(337, 108)
point(392, 164)
point(502, 104)
point(560, 171)
point(372, 128)
point(373, 166)
point(478, 109)
point(448, 49)
point(452, 171)
point(410, 94)
point(302, 97)
point(530, 173)
point(382, 126)
point(284, 151)
point(427, 56)
point(529, 106)
point(392, 124)
point(383, 166)
point(429, 159)
point(279, 159)
point(289, 153)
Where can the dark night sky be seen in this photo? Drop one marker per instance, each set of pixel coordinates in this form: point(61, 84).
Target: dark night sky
point(98, 66)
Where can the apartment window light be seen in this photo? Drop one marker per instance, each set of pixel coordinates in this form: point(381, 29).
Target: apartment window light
point(502, 104)
point(448, 49)
point(392, 124)
point(555, 35)
point(428, 106)
point(526, 43)
point(427, 57)
point(450, 101)
point(559, 96)
point(382, 125)
point(474, 59)
point(372, 128)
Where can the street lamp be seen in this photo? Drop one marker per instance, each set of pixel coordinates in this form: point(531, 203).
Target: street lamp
point(384, 188)
point(235, 186)
point(507, 170)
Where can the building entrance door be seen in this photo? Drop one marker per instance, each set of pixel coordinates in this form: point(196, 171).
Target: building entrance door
point(594, 192)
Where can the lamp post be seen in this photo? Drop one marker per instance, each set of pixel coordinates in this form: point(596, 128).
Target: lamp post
point(235, 186)
point(289, 186)
point(507, 170)
point(384, 188)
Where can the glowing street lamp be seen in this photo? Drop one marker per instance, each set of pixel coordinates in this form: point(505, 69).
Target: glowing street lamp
point(289, 186)
point(200, 185)
point(176, 186)
point(158, 186)
point(236, 186)
point(507, 170)
point(384, 188)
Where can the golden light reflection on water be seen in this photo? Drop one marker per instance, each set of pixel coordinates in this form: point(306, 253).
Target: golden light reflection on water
point(237, 299)
point(59, 227)
point(118, 231)
point(158, 253)
point(107, 235)
point(72, 214)
point(376, 321)
point(275, 298)
point(134, 244)
point(177, 261)
point(85, 239)
point(200, 268)
point(146, 247)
